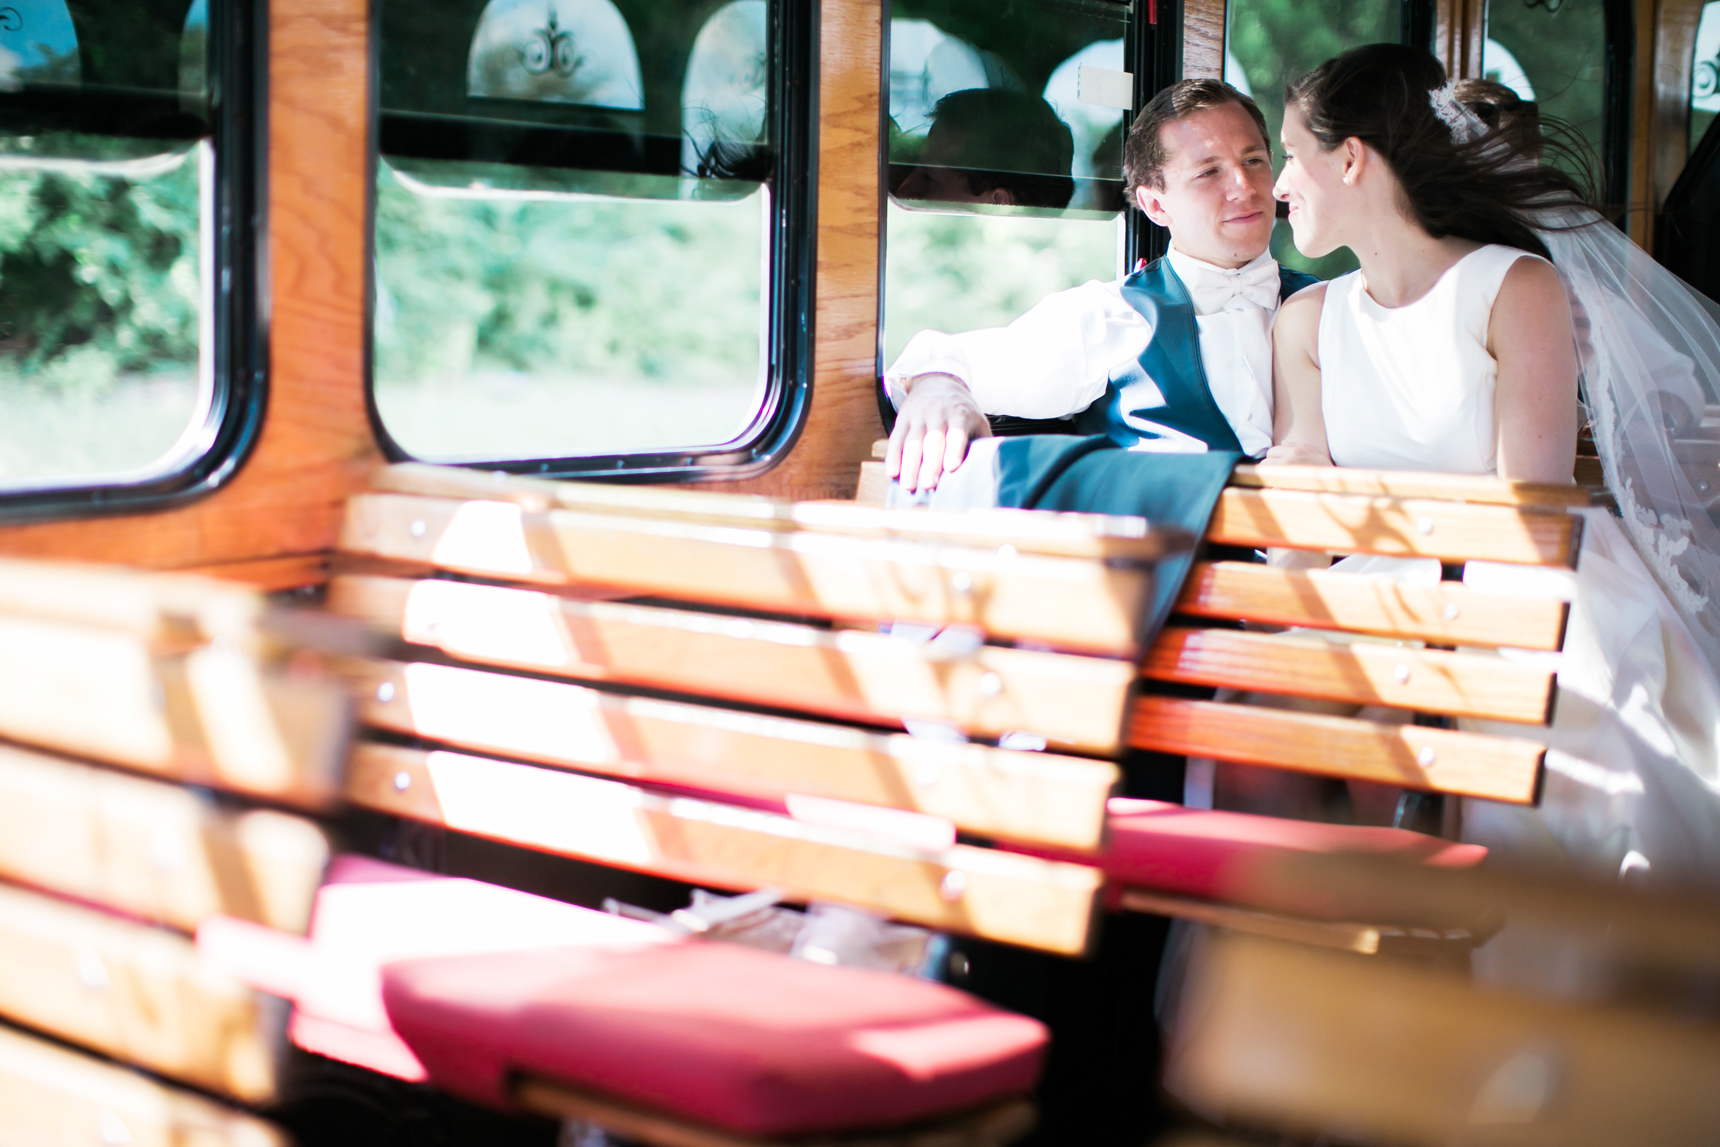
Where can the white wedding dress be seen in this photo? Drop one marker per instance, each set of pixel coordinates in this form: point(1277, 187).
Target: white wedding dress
point(1633, 769)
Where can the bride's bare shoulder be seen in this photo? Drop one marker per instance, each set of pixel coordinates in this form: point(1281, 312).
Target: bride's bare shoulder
point(1299, 315)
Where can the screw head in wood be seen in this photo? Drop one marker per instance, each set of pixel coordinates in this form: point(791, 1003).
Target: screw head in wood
point(953, 885)
point(402, 781)
point(418, 527)
point(1425, 756)
point(1401, 674)
point(1424, 525)
point(1450, 612)
point(385, 692)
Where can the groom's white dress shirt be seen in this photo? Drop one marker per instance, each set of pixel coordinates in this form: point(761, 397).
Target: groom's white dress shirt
point(1056, 359)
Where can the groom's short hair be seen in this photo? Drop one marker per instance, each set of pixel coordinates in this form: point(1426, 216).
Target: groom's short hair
point(1144, 152)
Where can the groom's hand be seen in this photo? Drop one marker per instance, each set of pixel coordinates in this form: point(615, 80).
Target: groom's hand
point(938, 419)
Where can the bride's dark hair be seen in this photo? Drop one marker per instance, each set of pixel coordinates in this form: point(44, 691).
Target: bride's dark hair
point(1483, 189)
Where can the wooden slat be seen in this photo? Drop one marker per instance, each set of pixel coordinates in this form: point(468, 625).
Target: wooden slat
point(1410, 484)
point(168, 609)
point(152, 849)
point(1344, 937)
point(135, 993)
point(1029, 531)
point(1468, 764)
point(1363, 673)
point(1663, 930)
point(213, 715)
point(1445, 614)
point(992, 1126)
point(51, 1096)
point(1072, 603)
point(1338, 935)
point(1388, 1053)
point(1402, 527)
point(982, 892)
point(1010, 794)
point(864, 676)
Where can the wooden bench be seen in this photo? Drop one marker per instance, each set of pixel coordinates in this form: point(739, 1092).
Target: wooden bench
point(1429, 649)
point(111, 860)
point(116, 689)
point(607, 598)
point(1310, 1043)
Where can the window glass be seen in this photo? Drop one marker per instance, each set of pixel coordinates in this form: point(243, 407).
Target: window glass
point(1270, 44)
point(106, 242)
point(1006, 148)
point(575, 210)
point(1554, 53)
point(1705, 76)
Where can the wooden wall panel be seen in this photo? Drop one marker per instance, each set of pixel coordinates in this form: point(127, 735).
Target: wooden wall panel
point(1460, 26)
point(843, 420)
point(1674, 62)
point(1203, 39)
point(316, 443)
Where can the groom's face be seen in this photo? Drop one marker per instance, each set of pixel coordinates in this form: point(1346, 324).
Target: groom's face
point(1217, 195)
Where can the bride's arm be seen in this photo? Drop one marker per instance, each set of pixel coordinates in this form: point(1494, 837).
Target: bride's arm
point(1530, 335)
point(1298, 427)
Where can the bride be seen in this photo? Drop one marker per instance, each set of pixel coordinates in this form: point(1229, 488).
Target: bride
point(1453, 349)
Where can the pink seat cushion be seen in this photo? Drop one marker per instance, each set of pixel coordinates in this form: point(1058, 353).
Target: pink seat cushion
point(1208, 854)
point(718, 1034)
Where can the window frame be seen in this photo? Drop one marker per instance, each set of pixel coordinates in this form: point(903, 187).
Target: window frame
point(238, 99)
point(777, 425)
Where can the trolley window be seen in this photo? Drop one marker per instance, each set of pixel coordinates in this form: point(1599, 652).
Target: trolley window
point(1006, 125)
point(1270, 43)
point(1562, 55)
point(591, 235)
point(127, 315)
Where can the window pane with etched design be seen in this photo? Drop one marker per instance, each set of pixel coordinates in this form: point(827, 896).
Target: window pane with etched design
point(575, 210)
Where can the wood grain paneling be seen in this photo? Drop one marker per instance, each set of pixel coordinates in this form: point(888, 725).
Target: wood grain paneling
point(1203, 39)
point(1460, 27)
point(843, 419)
point(1674, 66)
point(316, 442)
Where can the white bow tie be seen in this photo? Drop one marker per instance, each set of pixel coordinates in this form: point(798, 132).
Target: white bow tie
point(1210, 288)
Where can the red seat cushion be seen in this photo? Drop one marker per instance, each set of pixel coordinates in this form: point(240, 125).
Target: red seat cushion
point(718, 1034)
point(1207, 854)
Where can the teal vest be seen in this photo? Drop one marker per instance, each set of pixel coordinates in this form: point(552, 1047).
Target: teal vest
point(1164, 393)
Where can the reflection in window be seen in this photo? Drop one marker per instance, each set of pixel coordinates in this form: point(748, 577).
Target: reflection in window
point(724, 98)
point(1557, 50)
point(1705, 75)
point(572, 234)
point(1270, 44)
point(106, 241)
point(563, 51)
point(1005, 160)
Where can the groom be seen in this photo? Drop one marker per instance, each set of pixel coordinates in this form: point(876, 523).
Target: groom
point(1175, 358)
